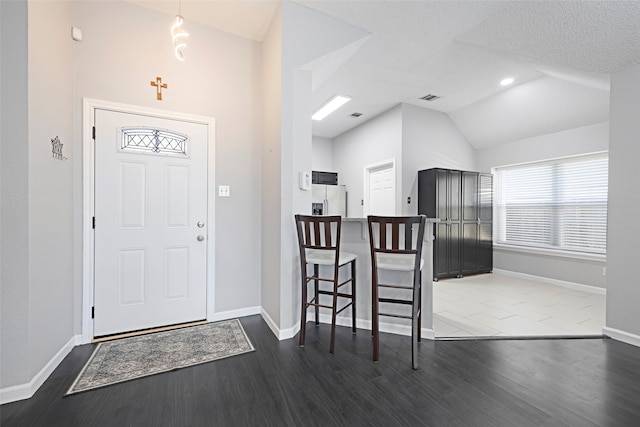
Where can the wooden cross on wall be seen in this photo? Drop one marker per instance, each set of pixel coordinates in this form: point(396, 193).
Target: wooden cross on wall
point(159, 86)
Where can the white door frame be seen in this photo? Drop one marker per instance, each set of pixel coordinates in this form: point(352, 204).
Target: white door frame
point(88, 197)
point(367, 174)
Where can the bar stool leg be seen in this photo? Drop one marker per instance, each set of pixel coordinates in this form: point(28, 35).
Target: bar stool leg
point(333, 315)
point(415, 322)
point(316, 284)
point(303, 314)
point(374, 319)
point(414, 342)
point(353, 296)
point(420, 309)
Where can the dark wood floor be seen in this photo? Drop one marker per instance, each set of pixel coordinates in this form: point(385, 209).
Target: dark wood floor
point(573, 382)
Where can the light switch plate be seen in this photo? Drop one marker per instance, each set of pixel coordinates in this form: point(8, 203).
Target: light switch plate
point(224, 191)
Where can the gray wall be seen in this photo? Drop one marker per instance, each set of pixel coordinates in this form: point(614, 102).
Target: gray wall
point(14, 180)
point(37, 209)
point(126, 46)
point(587, 139)
point(429, 139)
point(623, 294)
point(376, 140)
point(270, 170)
point(417, 138)
point(322, 154)
point(583, 140)
point(37, 272)
point(50, 181)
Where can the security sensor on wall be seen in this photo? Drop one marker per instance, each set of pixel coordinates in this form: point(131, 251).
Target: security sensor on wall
point(76, 34)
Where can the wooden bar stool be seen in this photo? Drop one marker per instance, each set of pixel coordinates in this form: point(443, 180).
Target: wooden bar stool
point(319, 244)
point(396, 245)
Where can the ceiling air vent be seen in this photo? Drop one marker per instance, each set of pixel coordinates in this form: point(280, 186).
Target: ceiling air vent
point(430, 97)
point(356, 114)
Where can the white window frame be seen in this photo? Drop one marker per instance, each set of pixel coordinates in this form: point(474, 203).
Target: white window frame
point(502, 242)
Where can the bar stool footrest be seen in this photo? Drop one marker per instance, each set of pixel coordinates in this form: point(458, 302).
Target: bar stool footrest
point(396, 301)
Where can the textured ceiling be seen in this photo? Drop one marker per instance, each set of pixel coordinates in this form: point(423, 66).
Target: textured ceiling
point(560, 54)
point(600, 37)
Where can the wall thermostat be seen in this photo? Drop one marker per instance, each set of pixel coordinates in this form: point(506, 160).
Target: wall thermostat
point(304, 180)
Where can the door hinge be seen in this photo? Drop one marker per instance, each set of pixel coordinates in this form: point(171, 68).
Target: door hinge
point(93, 312)
point(93, 223)
point(93, 133)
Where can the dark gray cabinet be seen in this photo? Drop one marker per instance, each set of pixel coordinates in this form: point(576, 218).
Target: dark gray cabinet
point(463, 202)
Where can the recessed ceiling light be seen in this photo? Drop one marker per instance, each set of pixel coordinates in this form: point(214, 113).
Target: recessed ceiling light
point(330, 106)
point(507, 81)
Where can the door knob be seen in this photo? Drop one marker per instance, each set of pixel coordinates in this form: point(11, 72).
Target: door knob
point(200, 238)
point(200, 224)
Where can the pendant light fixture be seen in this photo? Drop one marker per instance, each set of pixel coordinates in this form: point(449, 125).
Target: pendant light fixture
point(178, 34)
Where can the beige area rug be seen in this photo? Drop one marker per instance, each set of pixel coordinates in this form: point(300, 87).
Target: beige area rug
point(136, 357)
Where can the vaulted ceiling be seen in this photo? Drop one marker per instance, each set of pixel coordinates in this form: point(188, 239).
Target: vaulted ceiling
point(559, 53)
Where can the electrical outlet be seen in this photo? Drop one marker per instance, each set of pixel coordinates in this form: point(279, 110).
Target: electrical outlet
point(604, 271)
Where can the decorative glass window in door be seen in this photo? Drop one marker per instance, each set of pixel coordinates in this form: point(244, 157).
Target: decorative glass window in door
point(159, 141)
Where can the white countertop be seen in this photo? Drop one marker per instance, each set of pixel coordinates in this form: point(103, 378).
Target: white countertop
point(431, 220)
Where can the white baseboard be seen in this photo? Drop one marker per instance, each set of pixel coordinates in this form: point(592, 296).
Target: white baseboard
point(623, 336)
point(281, 334)
point(288, 333)
point(232, 314)
point(25, 391)
point(564, 284)
point(391, 328)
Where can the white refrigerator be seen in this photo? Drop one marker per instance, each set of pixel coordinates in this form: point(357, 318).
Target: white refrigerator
point(329, 199)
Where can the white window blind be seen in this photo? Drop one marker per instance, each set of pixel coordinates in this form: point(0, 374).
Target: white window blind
point(559, 204)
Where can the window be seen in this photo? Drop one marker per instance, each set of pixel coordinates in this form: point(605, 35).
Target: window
point(559, 204)
point(158, 141)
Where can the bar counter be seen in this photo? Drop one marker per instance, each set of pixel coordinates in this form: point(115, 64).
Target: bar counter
point(355, 239)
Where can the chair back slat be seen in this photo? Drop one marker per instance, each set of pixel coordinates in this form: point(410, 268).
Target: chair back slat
point(385, 234)
point(327, 234)
point(318, 233)
point(408, 237)
point(395, 232)
point(307, 233)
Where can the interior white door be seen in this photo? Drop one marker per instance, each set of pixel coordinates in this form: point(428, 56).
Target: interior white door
point(382, 191)
point(150, 222)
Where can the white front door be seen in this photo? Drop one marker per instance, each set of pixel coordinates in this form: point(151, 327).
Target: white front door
point(150, 222)
point(382, 191)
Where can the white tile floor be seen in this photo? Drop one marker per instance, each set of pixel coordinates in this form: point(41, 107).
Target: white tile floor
point(501, 305)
